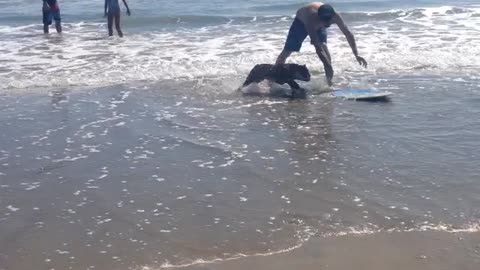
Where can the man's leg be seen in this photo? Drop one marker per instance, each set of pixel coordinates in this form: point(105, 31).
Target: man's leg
point(58, 26)
point(110, 24)
point(282, 58)
point(117, 25)
point(58, 21)
point(46, 21)
point(295, 38)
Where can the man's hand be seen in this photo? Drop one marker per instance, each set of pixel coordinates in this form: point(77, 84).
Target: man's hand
point(328, 73)
point(362, 61)
point(128, 12)
point(329, 81)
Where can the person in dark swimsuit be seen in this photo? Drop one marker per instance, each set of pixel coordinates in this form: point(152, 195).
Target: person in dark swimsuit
point(112, 11)
point(51, 11)
point(313, 20)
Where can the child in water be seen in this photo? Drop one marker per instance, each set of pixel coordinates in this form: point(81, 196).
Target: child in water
point(112, 10)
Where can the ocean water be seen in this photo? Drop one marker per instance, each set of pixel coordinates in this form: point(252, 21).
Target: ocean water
point(138, 153)
point(224, 39)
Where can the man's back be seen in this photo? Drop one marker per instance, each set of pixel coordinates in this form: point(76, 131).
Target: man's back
point(308, 14)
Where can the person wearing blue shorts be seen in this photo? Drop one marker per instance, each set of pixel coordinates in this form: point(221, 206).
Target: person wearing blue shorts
point(112, 12)
point(313, 20)
point(51, 11)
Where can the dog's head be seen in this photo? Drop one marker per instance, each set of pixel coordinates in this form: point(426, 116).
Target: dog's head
point(300, 72)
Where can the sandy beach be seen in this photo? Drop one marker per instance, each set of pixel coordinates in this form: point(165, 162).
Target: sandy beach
point(138, 153)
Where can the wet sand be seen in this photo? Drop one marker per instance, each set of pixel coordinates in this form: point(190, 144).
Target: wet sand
point(394, 251)
point(134, 176)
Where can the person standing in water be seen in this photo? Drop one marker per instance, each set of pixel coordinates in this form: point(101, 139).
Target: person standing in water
point(112, 11)
point(51, 11)
point(313, 20)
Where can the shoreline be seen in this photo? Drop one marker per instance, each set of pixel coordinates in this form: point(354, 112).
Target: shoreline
point(385, 250)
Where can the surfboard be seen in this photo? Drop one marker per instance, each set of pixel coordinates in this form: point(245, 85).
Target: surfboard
point(361, 94)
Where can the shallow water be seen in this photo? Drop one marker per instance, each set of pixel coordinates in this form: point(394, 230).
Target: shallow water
point(124, 177)
point(223, 41)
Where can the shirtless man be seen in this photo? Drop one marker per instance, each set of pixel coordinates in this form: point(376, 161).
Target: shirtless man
point(313, 20)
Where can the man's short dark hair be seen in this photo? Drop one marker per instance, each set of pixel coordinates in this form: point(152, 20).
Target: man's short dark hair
point(326, 13)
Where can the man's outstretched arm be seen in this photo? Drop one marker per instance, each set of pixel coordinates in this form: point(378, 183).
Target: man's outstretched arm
point(322, 52)
point(350, 38)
